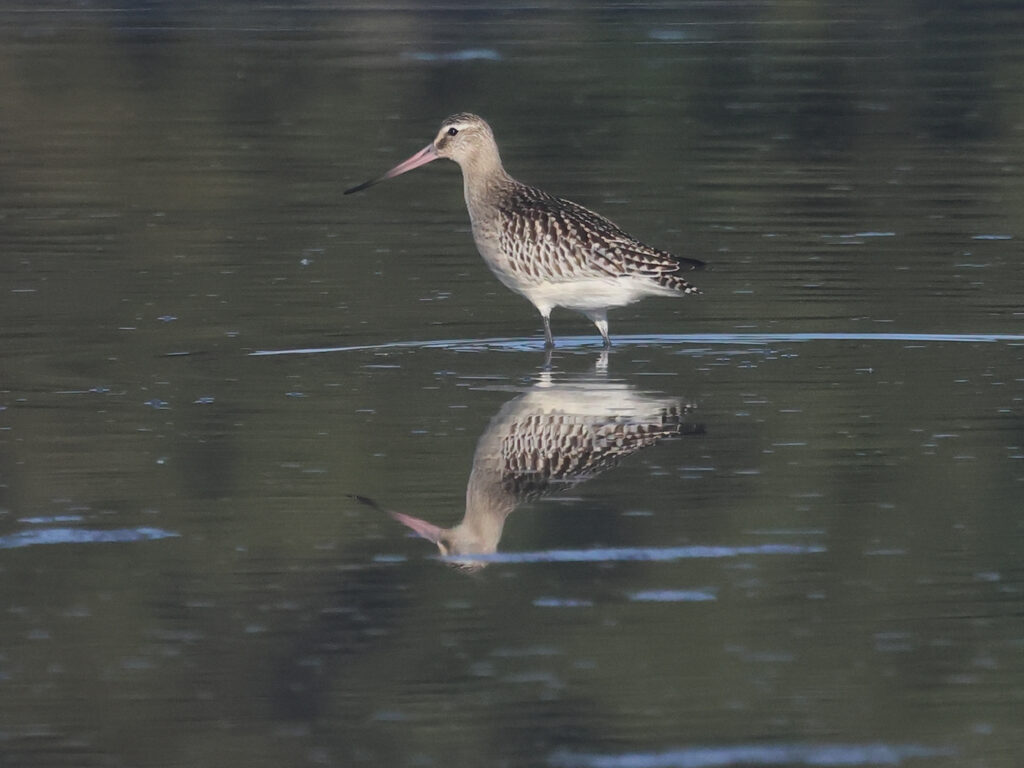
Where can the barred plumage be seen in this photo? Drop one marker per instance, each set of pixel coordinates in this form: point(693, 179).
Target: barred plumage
point(547, 238)
point(548, 440)
point(553, 251)
point(553, 449)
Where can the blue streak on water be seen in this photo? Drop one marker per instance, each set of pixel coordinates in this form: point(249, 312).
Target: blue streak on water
point(81, 536)
point(673, 596)
point(753, 755)
point(51, 519)
point(646, 554)
point(465, 54)
point(562, 602)
point(657, 339)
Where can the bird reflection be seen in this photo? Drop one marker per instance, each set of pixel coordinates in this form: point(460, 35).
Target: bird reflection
point(549, 439)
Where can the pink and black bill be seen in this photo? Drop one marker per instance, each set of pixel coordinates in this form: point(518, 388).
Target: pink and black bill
point(424, 156)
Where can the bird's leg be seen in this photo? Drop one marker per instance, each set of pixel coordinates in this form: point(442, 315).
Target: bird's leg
point(600, 319)
point(548, 354)
point(549, 341)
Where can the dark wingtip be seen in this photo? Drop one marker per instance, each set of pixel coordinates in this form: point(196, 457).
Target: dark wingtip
point(693, 263)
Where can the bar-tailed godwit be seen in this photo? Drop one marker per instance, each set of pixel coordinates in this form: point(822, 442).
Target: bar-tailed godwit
point(553, 251)
point(548, 440)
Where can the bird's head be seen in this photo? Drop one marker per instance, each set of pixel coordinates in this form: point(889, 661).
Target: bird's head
point(463, 137)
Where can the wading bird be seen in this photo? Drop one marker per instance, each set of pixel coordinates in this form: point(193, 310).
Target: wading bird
point(553, 251)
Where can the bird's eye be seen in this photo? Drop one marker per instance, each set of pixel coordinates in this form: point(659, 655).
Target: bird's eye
point(452, 131)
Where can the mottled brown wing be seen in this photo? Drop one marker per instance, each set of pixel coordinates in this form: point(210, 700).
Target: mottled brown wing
point(552, 238)
point(552, 451)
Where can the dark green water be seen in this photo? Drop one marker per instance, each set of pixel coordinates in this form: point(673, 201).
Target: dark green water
point(819, 561)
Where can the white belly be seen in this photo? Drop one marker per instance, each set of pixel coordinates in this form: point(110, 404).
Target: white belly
point(589, 294)
point(582, 293)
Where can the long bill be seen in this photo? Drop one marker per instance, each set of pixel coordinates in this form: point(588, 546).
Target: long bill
point(424, 156)
point(421, 527)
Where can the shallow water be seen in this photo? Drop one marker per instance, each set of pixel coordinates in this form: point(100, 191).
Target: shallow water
point(780, 523)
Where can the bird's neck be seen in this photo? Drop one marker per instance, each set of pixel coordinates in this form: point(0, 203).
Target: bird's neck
point(487, 506)
point(483, 179)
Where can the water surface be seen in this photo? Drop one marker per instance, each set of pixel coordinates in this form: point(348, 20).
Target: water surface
point(210, 355)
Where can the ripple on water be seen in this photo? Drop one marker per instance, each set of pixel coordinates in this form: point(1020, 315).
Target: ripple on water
point(81, 536)
point(649, 554)
point(658, 339)
point(673, 596)
point(752, 755)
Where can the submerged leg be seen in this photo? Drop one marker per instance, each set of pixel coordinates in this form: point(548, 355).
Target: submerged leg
point(546, 367)
point(600, 319)
point(549, 341)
